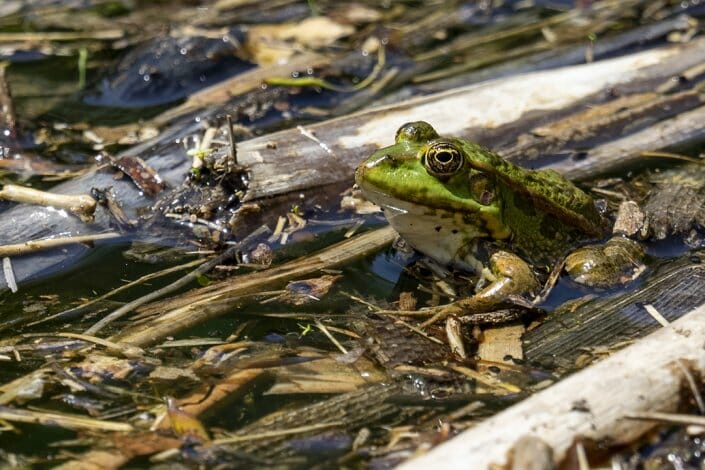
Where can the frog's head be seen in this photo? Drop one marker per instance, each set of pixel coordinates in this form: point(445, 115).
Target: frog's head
point(440, 190)
point(424, 174)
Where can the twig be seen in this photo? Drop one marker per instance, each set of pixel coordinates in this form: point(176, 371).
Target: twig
point(106, 34)
point(693, 386)
point(81, 205)
point(583, 463)
point(672, 418)
point(276, 433)
point(550, 283)
point(332, 339)
point(420, 332)
point(6, 104)
point(124, 350)
point(46, 243)
point(231, 139)
point(671, 155)
point(64, 420)
point(486, 380)
point(204, 268)
point(191, 342)
point(651, 310)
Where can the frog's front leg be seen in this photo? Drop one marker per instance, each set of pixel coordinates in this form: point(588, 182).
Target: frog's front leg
point(508, 275)
point(608, 265)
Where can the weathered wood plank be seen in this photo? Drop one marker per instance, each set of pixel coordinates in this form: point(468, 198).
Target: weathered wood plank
point(674, 289)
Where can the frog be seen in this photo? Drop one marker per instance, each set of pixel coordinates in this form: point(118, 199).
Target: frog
point(465, 206)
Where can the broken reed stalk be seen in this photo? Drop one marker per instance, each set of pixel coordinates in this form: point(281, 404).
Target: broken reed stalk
point(103, 35)
point(196, 307)
point(81, 205)
point(64, 420)
point(47, 243)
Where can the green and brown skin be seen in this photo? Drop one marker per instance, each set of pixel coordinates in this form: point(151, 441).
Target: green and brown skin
point(445, 196)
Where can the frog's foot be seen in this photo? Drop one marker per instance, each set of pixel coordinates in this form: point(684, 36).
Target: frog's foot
point(616, 262)
point(509, 276)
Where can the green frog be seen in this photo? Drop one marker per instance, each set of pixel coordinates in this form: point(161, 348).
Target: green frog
point(462, 204)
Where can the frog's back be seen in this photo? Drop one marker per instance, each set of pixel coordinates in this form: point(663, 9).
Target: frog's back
point(546, 190)
point(556, 195)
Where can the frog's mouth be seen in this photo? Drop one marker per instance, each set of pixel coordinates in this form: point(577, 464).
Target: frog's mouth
point(468, 221)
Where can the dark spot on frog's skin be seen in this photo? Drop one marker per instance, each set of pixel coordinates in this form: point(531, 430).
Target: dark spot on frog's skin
point(422, 193)
point(437, 228)
point(549, 228)
point(470, 219)
point(524, 205)
point(454, 231)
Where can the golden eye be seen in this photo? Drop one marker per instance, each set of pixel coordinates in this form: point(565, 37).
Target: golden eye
point(443, 159)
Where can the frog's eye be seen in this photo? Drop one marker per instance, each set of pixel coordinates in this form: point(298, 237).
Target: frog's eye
point(443, 159)
point(418, 131)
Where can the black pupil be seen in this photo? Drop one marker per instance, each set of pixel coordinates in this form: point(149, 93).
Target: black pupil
point(444, 156)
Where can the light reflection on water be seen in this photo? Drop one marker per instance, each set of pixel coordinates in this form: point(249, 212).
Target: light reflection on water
point(388, 266)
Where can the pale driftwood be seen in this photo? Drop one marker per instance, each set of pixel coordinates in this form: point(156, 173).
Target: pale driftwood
point(81, 205)
point(591, 404)
point(31, 246)
point(209, 302)
point(305, 157)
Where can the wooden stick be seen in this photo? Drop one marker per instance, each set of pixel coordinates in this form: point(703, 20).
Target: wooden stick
point(64, 420)
point(47, 243)
point(81, 205)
